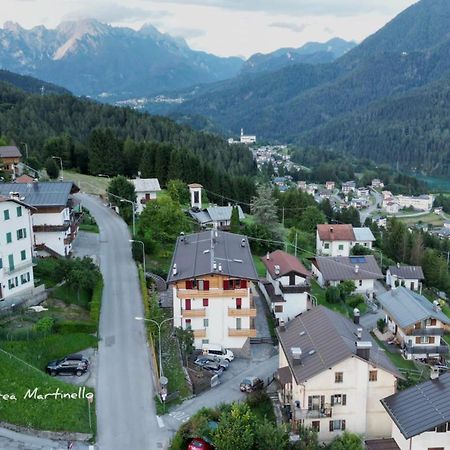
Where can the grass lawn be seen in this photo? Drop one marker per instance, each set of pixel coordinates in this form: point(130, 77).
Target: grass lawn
point(396, 358)
point(50, 414)
point(90, 228)
point(87, 183)
point(260, 267)
point(71, 296)
point(319, 293)
point(431, 219)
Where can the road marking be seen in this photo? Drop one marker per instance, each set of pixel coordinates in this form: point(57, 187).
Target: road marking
point(180, 416)
point(160, 422)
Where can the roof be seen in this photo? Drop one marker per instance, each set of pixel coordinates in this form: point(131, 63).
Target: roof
point(270, 290)
point(382, 444)
point(146, 185)
point(24, 179)
point(421, 407)
point(286, 262)
point(195, 185)
point(15, 200)
point(336, 232)
point(9, 151)
point(407, 307)
point(284, 375)
point(41, 193)
point(196, 255)
point(331, 337)
point(407, 272)
point(363, 234)
point(337, 268)
point(215, 214)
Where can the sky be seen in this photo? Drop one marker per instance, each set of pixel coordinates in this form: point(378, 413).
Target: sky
point(222, 27)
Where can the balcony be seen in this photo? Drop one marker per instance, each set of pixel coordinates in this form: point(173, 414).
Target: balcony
point(296, 289)
point(425, 332)
point(193, 312)
point(18, 267)
point(322, 413)
point(244, 332)
point(427, 349)
point(242, 312)
point(199, 333)
point(51, 228)
point(212, 293)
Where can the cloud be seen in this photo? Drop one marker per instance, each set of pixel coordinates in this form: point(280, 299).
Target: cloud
point(303, 7)
point(296, 28)
point(187, 33)
point(115, 13)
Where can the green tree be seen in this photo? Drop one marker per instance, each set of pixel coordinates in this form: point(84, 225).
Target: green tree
point(346, 288)
point(52, 168)
point(308, 439)
point(311, 217)
point(236, 429)
point(178, 191)
point(268, 436)
point(264, 207)
point(235, 225)
point(105, 153)
point(119, 187)
point(347, 441)
point(333, 295)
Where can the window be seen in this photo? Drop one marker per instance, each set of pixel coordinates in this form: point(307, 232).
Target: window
point(373, 375)
point(433, 322)
point(25, 278)
point(238, 323)
point(326, 246)
point(338, 377)
point(21, 234)
point(19, 211)
point(1, 263)
point(278, 308)
point(147, 196)
point(188, 324)
point(316, 402)
point(11, 262)
point(424, 339)
point(11, 284)
point(205, 341)
point(315, 425)
point(336, 425)
point(292, 279)
point(234, 284)
point(6, 214)
point(205, 302)
point(360, 283)
point(238, 303)
point(23, 255)
point(205, 323)
point(201, 285)
point(341, 247)
point(8, 238)
point(339, 399)
point(441, 428)
point(187, 304)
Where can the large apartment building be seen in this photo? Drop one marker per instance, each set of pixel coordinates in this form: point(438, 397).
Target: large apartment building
point(16, 248)
point(56, 215)
point(332, 376)
point(211, 277)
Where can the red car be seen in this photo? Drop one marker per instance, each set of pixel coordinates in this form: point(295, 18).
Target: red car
point(199, 444)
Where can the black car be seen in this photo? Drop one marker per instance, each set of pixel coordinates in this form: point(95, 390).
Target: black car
point(203, 359)
point(70, 365)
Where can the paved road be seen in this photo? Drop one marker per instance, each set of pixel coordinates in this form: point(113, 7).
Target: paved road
point(126, 416)
point(365, 213)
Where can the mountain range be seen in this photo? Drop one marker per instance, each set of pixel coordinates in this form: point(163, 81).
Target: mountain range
point(94, 59)
point(386, 99)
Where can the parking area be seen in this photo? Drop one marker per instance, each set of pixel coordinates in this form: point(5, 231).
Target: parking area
point(90, 377)
point(87, 244)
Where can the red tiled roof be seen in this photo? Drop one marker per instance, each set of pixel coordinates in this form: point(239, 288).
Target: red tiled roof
point(24, 179)
point(288, 263)
point(336, 232)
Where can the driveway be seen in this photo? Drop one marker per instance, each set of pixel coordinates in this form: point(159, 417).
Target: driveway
point(126, 416)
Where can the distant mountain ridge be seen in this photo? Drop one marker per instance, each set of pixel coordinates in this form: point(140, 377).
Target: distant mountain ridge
point(94, 59)
point(332, 105)
point(310, 53)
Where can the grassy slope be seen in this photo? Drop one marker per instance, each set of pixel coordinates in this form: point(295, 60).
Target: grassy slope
point(88, 183)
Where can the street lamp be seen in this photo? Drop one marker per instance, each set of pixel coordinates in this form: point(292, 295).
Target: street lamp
point(60, 161)
point(158, 324)
point(133, 204)
point(143, 253)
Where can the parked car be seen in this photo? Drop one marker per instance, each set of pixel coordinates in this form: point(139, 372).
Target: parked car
point(218, 350)
point(199, 444)
point(70, 365)
point(202, 359)
point(213, 367)
point(250, 384)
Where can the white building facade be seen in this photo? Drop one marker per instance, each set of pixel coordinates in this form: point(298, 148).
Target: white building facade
point(146, 190)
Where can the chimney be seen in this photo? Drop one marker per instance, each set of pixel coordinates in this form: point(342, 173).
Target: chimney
point(243, 242)
point(268, 256)
point(356, 316)
point(363, 349)
point(296, 355)
point(356, 268)
point(398, 265)
point(331, 229)
point(215, 265)
point(174, 270)
point(220, 267)
point(436, 306)
point(277, 269)
point(182, 236)
point(282, 325)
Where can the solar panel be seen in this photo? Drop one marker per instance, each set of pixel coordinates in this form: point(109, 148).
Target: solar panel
point(357, 259)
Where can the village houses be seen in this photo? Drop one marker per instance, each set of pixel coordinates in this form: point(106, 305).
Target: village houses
point(407, 276)
point(146, 190)
point(211, 278)
point(333, 375)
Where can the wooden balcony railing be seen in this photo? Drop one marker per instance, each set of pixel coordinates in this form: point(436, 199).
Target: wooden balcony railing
point(193, 312)
point(244, 332)
point(199, 333)
point(211, 293)
point(242, 312)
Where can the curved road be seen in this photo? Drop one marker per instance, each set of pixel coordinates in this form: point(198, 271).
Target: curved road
point(126, 416)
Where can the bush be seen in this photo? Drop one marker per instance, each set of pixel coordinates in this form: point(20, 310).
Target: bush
point(355, 300)
point(76, 327)
point(96, 301)
point(333, 295)
point(381, 324)
point(45, 325)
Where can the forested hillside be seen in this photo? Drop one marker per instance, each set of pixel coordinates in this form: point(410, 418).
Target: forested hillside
point(30, 84)
point(333, 104)
point(96, 138)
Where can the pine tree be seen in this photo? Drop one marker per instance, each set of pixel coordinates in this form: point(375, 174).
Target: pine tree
point(235, 225)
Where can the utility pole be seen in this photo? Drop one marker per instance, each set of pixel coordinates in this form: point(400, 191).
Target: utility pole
point(296, 235)
point(282, 220)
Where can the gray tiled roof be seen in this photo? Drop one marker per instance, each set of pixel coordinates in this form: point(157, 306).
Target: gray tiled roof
point(146, 185)
point(382, 444)
point(41, 193)
point(195, 254)
point(215, 214)
point(421, 407)
point(363, 234)
point(337, 268)
point(9, 151)
point(407, 272)
point(407, 307)
point(332, 337)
